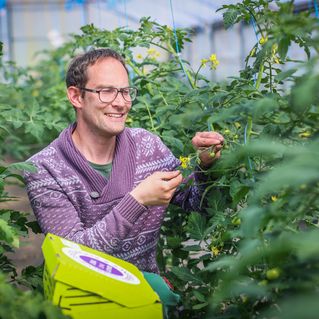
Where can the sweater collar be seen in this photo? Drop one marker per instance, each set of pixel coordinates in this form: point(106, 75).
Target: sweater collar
point(123, 166)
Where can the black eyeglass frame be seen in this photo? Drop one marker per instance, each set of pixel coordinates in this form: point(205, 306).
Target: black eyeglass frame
point(113, 88)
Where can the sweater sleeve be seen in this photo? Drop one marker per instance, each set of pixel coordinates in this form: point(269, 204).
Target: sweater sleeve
point(57, 214)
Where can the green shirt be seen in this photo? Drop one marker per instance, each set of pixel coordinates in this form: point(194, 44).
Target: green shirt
point(103, 169)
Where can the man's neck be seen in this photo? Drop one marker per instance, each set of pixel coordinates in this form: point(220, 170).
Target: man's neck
point(95, 148)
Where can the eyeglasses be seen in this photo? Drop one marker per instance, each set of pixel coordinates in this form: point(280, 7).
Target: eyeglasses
point(108, 95)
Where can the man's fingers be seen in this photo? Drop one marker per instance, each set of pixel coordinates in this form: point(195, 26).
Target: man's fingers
point(206, 142)
point(207, 134)
point(174, 182)
point(167, 175)
point(206, 139)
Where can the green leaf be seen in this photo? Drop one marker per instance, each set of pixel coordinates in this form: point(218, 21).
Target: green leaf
point(186, 275)
point(285, 74)
point(34, 225)
point(8, 234)
point(238, 191)
point(283, 48)
point(200, 306)
point(192, 248)
point(196, 226)
point(230, 17)
point(304, 94)
point(222, 263)
point(23, 166)
point(173, 242)
point(199, 296)
point(173, 142)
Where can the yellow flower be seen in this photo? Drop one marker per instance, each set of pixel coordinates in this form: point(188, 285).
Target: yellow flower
point(35, 93)
point(252, 52)
point(274, 50)
point(263, 40)
point(276, 60)
point(237, 124)
point(214, 62)
point(184, 161)
point(227, 131)
point(274, 198)
point(213, 58)
point(152, 53)
point(305, 134)
point(139, 56)
point(215, 250)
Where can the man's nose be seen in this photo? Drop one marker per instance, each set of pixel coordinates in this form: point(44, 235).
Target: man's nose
point(120, 101)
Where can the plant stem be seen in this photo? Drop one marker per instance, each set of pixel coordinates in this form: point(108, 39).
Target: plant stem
point(135, 69)
point(176, 55)
point(270, 77)
point(195, 78)
point(259, 78)
point(150, 116)
point(249, 127)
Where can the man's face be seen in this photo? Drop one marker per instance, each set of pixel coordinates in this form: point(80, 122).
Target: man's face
point(107, 119)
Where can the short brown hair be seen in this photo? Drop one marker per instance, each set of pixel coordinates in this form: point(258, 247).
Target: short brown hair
point(77, 71)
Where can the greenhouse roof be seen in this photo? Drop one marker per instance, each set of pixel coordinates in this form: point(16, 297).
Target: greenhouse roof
point(187, 13)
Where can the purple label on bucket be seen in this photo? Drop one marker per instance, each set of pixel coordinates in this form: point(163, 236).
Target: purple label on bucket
point(101, 265)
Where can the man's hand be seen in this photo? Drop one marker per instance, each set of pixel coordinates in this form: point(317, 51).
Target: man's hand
point(157, 189)
point(209, 145)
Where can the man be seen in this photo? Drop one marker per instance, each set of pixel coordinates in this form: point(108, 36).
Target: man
point(101, 184)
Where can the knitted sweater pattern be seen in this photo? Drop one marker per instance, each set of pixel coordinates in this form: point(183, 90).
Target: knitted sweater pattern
point(72, 200)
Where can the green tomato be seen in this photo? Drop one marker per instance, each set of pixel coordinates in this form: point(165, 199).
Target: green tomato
point(273, 273)
point(236, 221)
point(263, 283)
point(212, 154)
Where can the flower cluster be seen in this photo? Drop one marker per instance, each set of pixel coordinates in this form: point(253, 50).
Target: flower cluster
point(185, 161)
point(215, 250)
point(274, 55)
point(212, 60)
point(152, 53)
point(305, 134)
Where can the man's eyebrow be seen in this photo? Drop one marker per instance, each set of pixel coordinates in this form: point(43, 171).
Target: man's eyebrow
point(104, 86)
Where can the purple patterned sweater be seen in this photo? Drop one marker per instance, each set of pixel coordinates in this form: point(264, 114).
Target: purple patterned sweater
point(72, 200)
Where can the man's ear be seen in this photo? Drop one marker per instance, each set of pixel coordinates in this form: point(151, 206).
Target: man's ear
point(75, 96)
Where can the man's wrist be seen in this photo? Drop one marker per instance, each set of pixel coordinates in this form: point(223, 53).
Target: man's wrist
point(136, 196)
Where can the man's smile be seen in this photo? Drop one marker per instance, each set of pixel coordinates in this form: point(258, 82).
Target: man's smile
point(115, 115)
